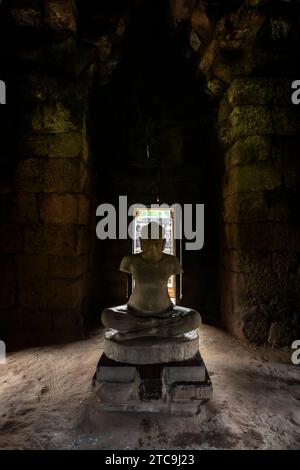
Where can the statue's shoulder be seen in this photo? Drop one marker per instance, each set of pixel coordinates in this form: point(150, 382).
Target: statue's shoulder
point(173, 263)
point(129, 261)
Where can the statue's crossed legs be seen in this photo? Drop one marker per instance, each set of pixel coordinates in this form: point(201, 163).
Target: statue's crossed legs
point(129, 324)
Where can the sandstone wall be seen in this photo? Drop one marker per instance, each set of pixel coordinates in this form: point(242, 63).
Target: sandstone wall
point(259, 130)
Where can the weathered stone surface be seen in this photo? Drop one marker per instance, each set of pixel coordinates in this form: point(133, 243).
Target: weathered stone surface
point(67, 320)
point(24, 209)
point(243, 261)
point(256, 327)
point(56, 293)
point(259, 176)
point(250, 120)
point(60, 15)
point(84, 241)
point(52, 239)
point(50, 175)
point(28, 17)
point(83, 210)
point(56, 118)
point(11, 240)
point(125, 374)
point(184, 374)
point(249, 149)
point(7, 285)
point(64, 145)
point(67, 267)
point(263, 236)
point(249, 289)
point(282, 333)
point(58, 208)
point(31, 266)
point(151, 350)
point(156, 388)
point(36, 322)
point(182, 9)
point(255, 207)
point(51, 118)
point(256, 91)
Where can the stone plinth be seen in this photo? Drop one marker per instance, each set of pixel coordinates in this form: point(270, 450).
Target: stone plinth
point(174, 388)
point(151, 350)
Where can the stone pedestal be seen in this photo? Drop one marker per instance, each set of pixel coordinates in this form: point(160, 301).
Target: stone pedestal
point(151, 350)
point(178, 387)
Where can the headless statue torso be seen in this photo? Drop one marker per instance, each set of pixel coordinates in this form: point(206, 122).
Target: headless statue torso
point(150, 296)
point(149, 311)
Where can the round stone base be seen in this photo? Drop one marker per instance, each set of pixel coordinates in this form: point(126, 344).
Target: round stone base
point(151, 350)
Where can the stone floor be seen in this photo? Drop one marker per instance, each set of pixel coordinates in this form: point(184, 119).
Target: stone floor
point(45, 402)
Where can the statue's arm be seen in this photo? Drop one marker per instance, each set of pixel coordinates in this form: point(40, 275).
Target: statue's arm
point(125, 265)
point(176, 267)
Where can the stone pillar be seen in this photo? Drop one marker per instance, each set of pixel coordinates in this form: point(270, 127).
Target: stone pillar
point(260, 135)
point(47, 237)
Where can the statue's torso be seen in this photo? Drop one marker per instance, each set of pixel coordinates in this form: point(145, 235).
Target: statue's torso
point(150, 294)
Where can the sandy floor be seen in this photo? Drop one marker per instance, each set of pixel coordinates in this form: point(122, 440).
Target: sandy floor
point(46, 403)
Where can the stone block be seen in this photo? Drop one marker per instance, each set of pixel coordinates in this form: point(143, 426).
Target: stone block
point(143, 388)
point(67, 320)
point(250, 289)
point(58, 208)
point(191, 393)
point(255, 326)
point(84, 241)
point(249, 149)
point(31, 267)
point(255, 207)
point(63, 145)
point(66, 294)
point(244, 261)
point(259, 176)
point(255, 91)
point(54, 294)
point(60, 16)
point(34, 145)
point(7, 285)
point(52, 239)
point(32, 293)
point(83, 209)
point(110, 393)
point(67, 267)
point(57, 118)
point(261, 236)
point(24, 209)
point(151, 350)
point(250, 120)
point(37, 321)
point(184, 374)
point(50, 176)
point(11, 239)
point(123, 374)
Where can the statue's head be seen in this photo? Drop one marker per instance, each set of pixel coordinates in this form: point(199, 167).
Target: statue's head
point(153, 240)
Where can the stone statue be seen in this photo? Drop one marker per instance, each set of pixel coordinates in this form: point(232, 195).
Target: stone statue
point(150, 311)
